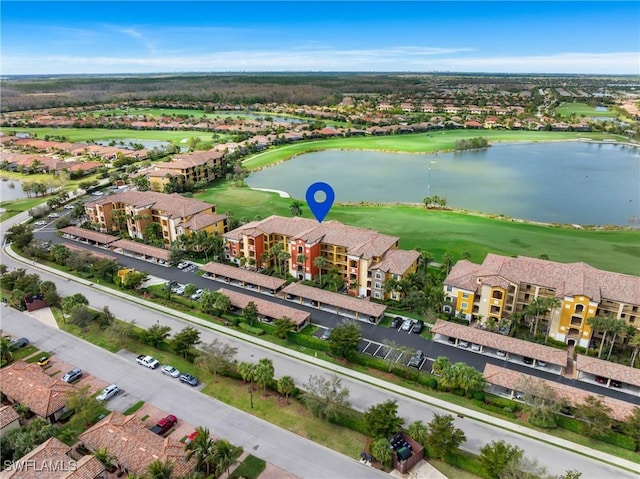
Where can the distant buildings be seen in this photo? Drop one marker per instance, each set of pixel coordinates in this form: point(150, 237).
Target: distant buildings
point(136, 211)
point(191, 168)
point(503, 286)
point(363, 258)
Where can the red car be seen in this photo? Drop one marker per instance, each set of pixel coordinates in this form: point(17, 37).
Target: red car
point(191, 437)
point(601, 380)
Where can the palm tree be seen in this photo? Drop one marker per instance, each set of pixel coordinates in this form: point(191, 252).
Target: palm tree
point(247, 371)
point(203, 449)
point(223, 457)
point(264, 373)
point(418, 431)
point(599, 323)
point(553, 304)
point(634, 342)
point(5, 349)
point(320, 262)
point(286, 386)
point(617, 327)
point(160, 470)
point(380, 450)
point(296, 207)
point(108, 460)
point(440, 365)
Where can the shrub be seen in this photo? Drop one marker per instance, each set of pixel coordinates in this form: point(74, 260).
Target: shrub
point(251, 329)
point(479, 396)
point(355, 423)
point(502, 410)
point(433, 384)
point(308, 341)
point(458, 392)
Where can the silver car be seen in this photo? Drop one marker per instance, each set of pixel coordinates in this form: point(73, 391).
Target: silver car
point(407, 325)
point(170, 371)
point(72, 375)
point(108, 392)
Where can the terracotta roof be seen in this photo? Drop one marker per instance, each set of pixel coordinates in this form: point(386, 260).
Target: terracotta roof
point(172, 205)
point(607, 369)
point(202, 220)
point(501, 342)
point(572, 279)
point(97, 254)
point(240, 274)
point(28, 384)
point(38, 464)
point(135, 247)
point(90, 235)
point(134, 446)
point(334, 299)
point(463, 275)
point(266, 307)
point(396, 261)
point(7, 416)
point(510, 379)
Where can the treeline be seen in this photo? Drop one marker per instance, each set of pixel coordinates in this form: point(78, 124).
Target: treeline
point(471, 143)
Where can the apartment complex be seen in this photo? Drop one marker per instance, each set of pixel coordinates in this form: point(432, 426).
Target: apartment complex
point(502, 286)
point(135, 211)
point(363, 258)
point(190, 168)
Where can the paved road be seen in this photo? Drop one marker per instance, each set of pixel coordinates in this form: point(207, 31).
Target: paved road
point(362, 395)
point(304, 458)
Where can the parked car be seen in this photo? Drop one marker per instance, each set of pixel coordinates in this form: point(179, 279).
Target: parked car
point(475, 347)
point(176, 286)
point(41, 223)
point(44, 360)
point(527, 360)
point(69, 207)
point(182, 265)
point(616, 384)
point(396, 322)
point(463, 344)
point(542, 364)
point(451, 340)
point(189, 379)
point(170, 371)
point(197, 295)
point(73, 375)
point(601, 380)
point(502, 354)
point(164, 425)
point(18, 343)
point(191, 437)
point(108, 392)
point(326, 334)
point(180, 289)
point(418, 327)
point(416, 360)
point(53, 215)
point(407, 324)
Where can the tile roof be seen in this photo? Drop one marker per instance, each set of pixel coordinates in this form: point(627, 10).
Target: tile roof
point(463, 275)
point(396, 261)
point(510, 379)
point(499, 341)
point(97, 254)
point(573, 279)
point(28, 384)
point(342, 301)
point(134, 446)
point(90, 235)
point(7, 416)
point(266, 307)
point(607, 369)
point(240, 274)
point(135, 247)
point(172, 205)
point(50, 460)
point(202, 220)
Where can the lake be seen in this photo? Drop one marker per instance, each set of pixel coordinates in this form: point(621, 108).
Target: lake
point(11, 190)
point(562, 182)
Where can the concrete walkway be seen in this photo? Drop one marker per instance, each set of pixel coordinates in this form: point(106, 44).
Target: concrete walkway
point(361, 377)
point(422, 470)
point(44, 315)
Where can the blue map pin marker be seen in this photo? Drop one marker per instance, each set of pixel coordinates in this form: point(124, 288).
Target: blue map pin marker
point(320, 208)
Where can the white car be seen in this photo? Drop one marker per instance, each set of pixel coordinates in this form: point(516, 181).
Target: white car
point(69, 207)
point(54, 215)
point(41, 223)
point(407, 325)
point(197, 295)
point(108, 392)
point(170, 371)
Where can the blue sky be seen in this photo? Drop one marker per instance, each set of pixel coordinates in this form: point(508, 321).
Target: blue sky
point(167, 36)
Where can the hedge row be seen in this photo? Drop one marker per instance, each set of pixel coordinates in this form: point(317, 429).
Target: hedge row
point(251, 329)
point(615, 438)
point(503, 410)
point(308, 341)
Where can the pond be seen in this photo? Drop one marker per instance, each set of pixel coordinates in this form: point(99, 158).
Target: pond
point(11, 190)
point(127, 142)
point(562, 182)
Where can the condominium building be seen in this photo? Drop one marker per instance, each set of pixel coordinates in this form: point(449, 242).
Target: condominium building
point(502, 286)
point(190, 168)
point(363, 258)
point(135, 211)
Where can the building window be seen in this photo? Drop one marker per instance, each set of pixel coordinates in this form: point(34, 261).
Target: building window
point(464, 306)
point(378, 285)
point(376, 294)
point(465, 295)
point(394, 296)
point(449, 289)
point(378, 275)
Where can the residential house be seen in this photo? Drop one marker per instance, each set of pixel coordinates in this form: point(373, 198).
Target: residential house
point(52, 460)
point(28, 384)
point(357, 254)
point(191, 168)
point(502, 286)
point(134, 446)
point(136, 210)
point(9, 419)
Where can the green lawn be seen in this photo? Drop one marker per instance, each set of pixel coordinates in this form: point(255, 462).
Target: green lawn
point(582, 109)
point(250, 468)
point(445, 231)
point(414, 143)
point(88, 134)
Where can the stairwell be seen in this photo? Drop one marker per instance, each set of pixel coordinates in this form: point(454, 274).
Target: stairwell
point(569, 369)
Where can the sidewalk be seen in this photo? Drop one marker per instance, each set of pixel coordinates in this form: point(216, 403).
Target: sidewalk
point(452, 408)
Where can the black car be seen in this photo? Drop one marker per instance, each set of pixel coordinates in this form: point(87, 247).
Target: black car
point(189, 379)
point(416, 360)
point(396, 322)
point(616, 384)
point(527, 360)
point(418, 327)
point(19, 343)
